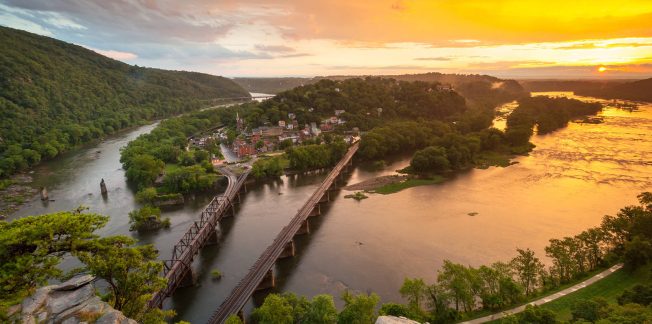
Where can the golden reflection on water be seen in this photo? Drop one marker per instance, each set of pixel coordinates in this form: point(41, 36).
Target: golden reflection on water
point(570, 180)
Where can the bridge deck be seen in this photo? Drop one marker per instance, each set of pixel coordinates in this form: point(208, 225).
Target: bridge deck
point(196, 237)
point(246, 287)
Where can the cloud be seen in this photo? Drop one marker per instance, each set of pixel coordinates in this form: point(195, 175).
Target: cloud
point(275, 48)
point(438, 58)
point(117, 55)
point(12, 21)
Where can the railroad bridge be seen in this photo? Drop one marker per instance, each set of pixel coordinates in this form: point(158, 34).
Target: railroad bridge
point(261, 274)
point(178, 269)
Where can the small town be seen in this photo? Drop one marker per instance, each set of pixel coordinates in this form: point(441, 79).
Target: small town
point(271, 138)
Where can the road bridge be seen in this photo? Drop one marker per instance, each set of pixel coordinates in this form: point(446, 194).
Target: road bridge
point(178, 269)
point(261, 274)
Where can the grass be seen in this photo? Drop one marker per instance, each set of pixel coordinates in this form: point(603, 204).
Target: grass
point(357, 196)
point(409, 183)
point(487, 159)
point(609, 288)
point(485, 312)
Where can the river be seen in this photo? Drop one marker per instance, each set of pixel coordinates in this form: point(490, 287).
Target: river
point(569, 181)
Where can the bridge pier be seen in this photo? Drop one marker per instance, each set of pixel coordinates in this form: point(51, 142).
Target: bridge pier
point(288, 250)
point(189, 278)
point(213, 238)
point(269, 281)
point(304, 229)
point(316, 211)
point(325, 198)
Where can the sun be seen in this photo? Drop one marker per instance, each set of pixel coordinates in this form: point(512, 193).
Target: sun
point(602, 69)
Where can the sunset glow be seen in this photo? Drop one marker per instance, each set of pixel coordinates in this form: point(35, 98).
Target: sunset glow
point(303, 38)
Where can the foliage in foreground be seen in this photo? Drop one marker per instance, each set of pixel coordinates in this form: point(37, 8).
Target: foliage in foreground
point(289, 308)
point(459, 288)
point(32, 248)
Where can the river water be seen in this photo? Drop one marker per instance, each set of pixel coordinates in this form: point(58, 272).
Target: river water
point(572, 178)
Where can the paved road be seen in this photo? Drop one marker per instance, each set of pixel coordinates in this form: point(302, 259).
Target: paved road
point(547, 299)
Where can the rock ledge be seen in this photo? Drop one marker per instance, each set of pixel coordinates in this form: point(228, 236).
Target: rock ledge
point(71, 302)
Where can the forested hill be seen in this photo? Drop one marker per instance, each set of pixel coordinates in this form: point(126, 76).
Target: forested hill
point(55, 95)
point(480, 89)
point(608, 89)
point(638, 90)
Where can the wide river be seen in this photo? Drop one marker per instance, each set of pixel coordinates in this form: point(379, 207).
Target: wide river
point(572, 178)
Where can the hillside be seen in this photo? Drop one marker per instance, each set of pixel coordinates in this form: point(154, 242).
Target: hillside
point(272, 85)
point(640, 90)
point(55, 95)
point(481, 89)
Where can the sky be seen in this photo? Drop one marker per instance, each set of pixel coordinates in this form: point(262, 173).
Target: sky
point(571, 39)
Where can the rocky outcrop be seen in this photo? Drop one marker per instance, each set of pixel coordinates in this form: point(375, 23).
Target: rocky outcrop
point(71, 302)
point(394, 320)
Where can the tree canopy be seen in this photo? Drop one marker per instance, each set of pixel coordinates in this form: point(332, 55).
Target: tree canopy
point(57, 95)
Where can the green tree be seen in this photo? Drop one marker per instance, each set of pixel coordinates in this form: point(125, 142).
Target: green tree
point(527, 267)
point(430, 160)
point(321, 311)
point(233, 319)
point(414, 291)
point(147, 218)
point(536, 315)
point(274, 310)
point(590, 310)
point(639, 294)
point(454, 278)
point(32, 247)
point(144, 169)
point(358, 309)
point(131, 273)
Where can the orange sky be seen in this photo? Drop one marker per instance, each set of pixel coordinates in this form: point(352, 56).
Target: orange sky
point(297, 37)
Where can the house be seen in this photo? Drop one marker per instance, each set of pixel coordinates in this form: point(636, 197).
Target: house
point(314, 129)
point(245, 149)
point(292, 116)
point(293, 137)
point(339, 112)
point(281, 123)
point(326, 127)
point(272, 131)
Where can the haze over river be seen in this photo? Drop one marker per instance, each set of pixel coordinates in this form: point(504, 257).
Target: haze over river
point(572, 178)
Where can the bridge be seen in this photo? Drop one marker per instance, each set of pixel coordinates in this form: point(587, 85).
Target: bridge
point(261, 274)
point(178, 269)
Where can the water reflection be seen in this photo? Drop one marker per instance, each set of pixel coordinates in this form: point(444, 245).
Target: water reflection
point(572, 178)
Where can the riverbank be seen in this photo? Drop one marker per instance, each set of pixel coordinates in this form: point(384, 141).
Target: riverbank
point(609, 288)
point(14, 192)
point(554, 295)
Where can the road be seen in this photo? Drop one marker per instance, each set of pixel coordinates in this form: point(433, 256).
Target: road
point(549, 298)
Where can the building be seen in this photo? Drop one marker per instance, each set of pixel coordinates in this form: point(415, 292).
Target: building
point(339, 112)
point(281, 123)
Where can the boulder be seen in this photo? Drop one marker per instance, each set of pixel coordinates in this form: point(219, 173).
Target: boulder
point(74, 283)
point(71, 302)
point(394, 320)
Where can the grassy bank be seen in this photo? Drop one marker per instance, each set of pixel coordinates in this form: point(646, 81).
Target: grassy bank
point(609, 288)
point(408, 183)
point(484, 312)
